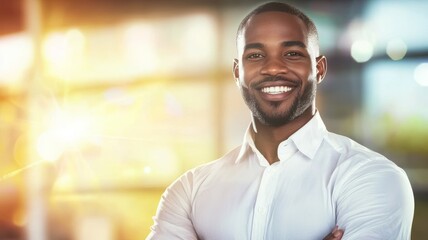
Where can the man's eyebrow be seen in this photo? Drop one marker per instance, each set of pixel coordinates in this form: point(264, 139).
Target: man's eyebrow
point(293, 43)
point(253, 46)
point(284, 44)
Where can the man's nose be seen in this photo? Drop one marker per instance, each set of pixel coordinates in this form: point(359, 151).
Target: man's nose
point(274, 66)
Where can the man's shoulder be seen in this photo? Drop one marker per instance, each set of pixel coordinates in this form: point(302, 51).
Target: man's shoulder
point(205, 170)
point(356, 159)
point(357, 155)
point(224, 161)
point(350, 148)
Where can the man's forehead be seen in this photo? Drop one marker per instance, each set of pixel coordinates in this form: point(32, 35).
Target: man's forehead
point(274, 19)
point(273, 25)
point(277, 22)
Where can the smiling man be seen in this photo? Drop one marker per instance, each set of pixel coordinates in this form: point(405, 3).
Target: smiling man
point(291, 178)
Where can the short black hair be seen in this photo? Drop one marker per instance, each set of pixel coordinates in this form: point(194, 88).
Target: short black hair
point(280, 7)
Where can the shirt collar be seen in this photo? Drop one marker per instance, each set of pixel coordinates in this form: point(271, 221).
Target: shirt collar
point(307, 139)
point(245, 148)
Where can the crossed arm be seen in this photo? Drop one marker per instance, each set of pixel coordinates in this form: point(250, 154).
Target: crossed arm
point(375, 203)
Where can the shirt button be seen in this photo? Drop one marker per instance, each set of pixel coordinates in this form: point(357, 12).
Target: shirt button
point(283, 144)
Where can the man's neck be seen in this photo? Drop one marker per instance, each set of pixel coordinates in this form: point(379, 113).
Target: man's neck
point(267, 138)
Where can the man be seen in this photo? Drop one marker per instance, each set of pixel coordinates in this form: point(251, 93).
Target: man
point(291, 178)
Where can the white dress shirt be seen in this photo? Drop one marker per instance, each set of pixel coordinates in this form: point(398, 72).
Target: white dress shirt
point(322, 180)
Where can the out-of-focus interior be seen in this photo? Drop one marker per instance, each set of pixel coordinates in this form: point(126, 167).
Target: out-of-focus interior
point(104, 103)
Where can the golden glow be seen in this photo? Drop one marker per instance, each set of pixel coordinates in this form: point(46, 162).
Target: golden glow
point(163, 163)
point(196, 50)
point(147, 170)
point(140, 48)
point(19, 218)
point(16, 56)
point(48, 148)
point(65, 132)
point(63, 183)
point(64, 52)
point(132, 49)
point(94, 227)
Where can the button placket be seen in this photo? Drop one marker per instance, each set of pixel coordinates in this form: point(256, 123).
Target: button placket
point(263, 202)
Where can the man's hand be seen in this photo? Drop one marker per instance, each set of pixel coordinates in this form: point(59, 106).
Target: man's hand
point(336, 234)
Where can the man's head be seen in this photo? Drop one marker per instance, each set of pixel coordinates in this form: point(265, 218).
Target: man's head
point(285, 8)
point(278, 66)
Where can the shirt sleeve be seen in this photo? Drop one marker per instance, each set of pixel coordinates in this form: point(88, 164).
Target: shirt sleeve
point(172, 220)
point(375, 202)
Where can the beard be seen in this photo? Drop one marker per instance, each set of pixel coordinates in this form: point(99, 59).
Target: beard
point(279, 117)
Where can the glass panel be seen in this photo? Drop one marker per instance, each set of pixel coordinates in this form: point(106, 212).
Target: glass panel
point(395, 107)
point(134, 49)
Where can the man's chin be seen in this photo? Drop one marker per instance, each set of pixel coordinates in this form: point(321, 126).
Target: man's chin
point(274, 121)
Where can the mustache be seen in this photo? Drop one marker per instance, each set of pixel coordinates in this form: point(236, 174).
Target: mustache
point(259, 84)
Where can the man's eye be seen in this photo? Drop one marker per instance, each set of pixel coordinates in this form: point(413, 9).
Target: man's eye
point(293, 54)
point(255, 56)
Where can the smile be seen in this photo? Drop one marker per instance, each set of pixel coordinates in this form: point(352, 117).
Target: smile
point(276, 89)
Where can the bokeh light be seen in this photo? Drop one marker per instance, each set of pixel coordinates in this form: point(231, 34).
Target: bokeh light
point(16, 56)
point(64, 52)
point(141, 48)
point(421, 74)
point(361, 51)
point(396, 49)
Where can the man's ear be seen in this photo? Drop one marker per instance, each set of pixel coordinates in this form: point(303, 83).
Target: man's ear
point(236, 69)
point(321, 62)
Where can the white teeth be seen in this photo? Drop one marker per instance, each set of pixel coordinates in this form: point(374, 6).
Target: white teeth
point(276, 89)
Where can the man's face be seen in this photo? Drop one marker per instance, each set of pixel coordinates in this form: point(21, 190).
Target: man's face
point(277, 70)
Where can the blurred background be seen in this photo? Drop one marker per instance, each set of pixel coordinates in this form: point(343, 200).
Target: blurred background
point(104, 103)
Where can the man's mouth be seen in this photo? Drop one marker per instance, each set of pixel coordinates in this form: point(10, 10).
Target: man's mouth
point(276, 89)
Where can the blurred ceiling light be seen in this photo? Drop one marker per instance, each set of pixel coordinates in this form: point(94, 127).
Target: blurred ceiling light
point(76, 41)
point(64, 51)
point(396, 49)
point(361, 51)
point(55, 48)
point(16, 57)
point(75, 37)
point(200, 49)
point(140, 48)
point(421, 74)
